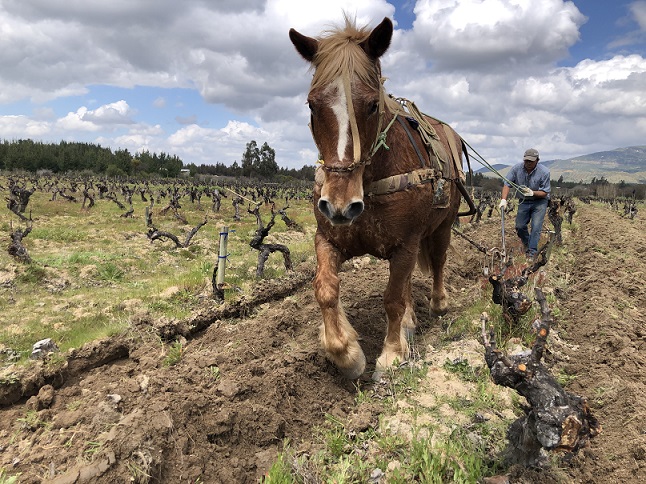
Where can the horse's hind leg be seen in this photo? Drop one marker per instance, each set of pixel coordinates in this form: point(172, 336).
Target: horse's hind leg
point(398, 302)
point(338, 337)
point(435, 248)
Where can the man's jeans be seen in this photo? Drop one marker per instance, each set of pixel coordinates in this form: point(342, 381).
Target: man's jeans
point(534, 211)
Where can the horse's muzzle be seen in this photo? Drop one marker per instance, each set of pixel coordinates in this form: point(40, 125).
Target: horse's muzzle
point(343, 216)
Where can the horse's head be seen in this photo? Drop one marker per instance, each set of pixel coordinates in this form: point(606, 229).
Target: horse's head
point(346, 101)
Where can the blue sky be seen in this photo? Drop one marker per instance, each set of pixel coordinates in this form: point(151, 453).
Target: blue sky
point(202, 79)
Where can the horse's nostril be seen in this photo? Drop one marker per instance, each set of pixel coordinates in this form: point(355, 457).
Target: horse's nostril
point(325, 207)
point(354, 210)
point(340, 217)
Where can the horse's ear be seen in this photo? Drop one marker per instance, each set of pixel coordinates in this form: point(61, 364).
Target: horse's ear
point(379, 41)
point(306, 46)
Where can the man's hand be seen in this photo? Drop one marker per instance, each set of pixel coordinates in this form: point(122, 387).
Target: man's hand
point(526, 191)
point(503, 204)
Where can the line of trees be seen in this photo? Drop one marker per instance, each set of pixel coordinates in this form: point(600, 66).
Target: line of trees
point(66, 157)
point(33, 156)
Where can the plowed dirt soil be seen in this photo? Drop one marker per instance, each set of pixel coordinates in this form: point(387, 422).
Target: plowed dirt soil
point(251, 377)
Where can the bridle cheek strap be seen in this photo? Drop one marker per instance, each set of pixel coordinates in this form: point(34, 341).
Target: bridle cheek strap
point(356, 143)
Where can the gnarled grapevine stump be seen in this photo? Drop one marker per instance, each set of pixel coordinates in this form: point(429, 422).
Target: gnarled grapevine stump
point(554, 418)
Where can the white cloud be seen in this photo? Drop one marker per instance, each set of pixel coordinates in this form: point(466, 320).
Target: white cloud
point(21, 127)
point(492, 34)
point(111, 114)
point(638, 10)
point(108, 116)
point(488, 67)
point(75, 122)
point(207, 145)
point(618, 68)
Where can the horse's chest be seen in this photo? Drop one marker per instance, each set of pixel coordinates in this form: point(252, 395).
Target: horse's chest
point(380, 231)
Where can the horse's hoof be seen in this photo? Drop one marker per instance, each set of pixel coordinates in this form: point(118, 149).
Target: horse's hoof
point(439, 309)
point(386, 362)
point(354, 372)
point(439, 303)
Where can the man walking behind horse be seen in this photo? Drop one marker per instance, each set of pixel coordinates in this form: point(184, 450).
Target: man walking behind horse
point(533, 197)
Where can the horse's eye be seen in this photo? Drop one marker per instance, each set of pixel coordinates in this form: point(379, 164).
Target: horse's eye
point(372, 109)
point(311, 106)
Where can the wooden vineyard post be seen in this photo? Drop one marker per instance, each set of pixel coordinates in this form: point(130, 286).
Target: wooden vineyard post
point(220, 268)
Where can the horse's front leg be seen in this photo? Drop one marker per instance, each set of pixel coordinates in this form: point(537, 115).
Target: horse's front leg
point(338, 337)
point(398, 302)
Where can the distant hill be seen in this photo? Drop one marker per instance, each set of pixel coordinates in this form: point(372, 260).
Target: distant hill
point(627, 164)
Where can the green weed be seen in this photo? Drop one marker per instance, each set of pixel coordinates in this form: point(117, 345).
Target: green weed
point(279, 472)
point(139, 467)
point(174, 354)
point(336, 438)
point(599, 396)
point(92, 448)
point(213, 372)
point(564, 378)
point(75, 405)
point(453, 460)
point(110, 272)
point(63, 234)
point(9, 379)
point(32, 421)
point(463, 369)
point(467, 323)
point(6, 478)
point(405, 379)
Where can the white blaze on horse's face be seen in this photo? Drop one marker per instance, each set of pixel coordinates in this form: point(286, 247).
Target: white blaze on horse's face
point(341, 198)
point(339, 107)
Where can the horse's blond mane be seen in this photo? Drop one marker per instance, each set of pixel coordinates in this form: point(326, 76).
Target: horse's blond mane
point(339, 52)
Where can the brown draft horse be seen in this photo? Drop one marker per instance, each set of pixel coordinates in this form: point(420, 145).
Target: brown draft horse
point(371, 194)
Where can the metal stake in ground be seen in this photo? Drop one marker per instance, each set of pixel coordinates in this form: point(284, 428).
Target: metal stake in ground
point(502, 223)
point(220, 268)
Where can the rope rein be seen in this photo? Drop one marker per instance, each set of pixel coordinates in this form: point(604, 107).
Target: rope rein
point(491, 168)
point(381, 137)
point(243, 197)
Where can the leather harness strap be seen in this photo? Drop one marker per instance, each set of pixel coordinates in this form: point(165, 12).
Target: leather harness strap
point(412, 140)
point(457, 164)
point(402, 181)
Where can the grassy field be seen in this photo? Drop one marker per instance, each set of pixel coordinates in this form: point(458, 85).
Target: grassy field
point(92, 269)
